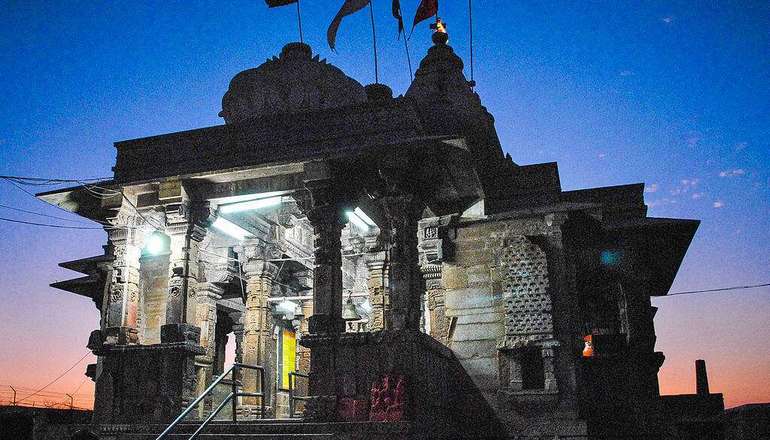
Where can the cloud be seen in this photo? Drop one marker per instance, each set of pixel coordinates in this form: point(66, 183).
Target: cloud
point(685, 186)
point(696, 196)
point(732, 172)
point(651, 188)
point(718, 204)
point(661, 202)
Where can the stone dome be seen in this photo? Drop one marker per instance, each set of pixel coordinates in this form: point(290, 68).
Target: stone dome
point(293, 82)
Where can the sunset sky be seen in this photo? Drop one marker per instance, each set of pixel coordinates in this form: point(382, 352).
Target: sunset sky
point(675, 94)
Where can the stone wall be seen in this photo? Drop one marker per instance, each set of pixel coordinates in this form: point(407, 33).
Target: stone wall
point(505, 290)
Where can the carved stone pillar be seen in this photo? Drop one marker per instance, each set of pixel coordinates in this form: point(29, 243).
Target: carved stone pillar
point(304, 352)
point(122, 307)
point(260, 275)
point(435, 292)
point(377, 283)
point(435, 248)
point(237, 318)
point(185, 228)
point(326, 219)
point(403, 211)
point(206, 320)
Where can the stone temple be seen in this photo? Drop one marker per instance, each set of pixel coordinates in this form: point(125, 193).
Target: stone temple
point(396, 275)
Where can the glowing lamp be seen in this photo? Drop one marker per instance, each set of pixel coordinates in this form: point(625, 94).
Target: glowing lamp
point(250, 205)
point(155, 244)
point(226, 226)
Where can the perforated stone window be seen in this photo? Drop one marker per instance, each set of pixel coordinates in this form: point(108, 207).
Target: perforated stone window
point(525, 292)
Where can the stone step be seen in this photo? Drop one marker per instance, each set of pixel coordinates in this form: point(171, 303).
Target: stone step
point(222, 436)
point(273, 429)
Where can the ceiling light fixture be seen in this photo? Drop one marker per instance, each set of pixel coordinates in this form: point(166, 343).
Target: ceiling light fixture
point(250, 205)
point(226, 226)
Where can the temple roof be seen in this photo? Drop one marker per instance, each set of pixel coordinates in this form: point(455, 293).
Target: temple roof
point(293, 82)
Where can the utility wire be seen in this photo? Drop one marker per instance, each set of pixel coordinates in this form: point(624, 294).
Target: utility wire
point(721, 289)
point(47, 225)
point(40, 214)
point(53, 181)
point(57, 378)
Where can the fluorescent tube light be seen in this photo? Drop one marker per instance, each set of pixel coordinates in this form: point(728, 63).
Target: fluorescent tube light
point(230, 228)
point(250, 205)
point(362, 215)
point(356, 220)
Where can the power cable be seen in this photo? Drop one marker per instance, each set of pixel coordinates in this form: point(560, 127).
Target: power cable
point(39, 214)
point(47, 225)
point(720, 289)
point(54, 181)
point(57, 378)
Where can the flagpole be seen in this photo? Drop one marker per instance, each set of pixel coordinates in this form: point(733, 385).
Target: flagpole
point(299, 22)
point(408, 58)
point(470, 31)
point(374, 43)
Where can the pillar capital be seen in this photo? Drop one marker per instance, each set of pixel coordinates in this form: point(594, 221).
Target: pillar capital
point(255, 268)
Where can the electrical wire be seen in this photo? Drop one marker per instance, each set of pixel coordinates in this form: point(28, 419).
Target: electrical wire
point(720, 289)
point(57, 378)
point(39, 214)
point(54, 181)
point(48, 225)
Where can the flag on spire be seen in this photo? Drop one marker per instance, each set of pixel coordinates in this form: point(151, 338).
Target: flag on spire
point(348, 8)
point(275, 3)
point(398, 17)
point(426, 9)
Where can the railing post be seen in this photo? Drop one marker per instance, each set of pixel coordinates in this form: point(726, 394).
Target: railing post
point(291, 395)
point(236, 374)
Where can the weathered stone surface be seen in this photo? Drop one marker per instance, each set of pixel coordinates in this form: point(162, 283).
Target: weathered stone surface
point(293, 82)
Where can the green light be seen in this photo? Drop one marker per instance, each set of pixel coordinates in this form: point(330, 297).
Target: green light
point(155, 244)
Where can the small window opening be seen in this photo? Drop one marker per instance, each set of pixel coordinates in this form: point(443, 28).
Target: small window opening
point(532, 369)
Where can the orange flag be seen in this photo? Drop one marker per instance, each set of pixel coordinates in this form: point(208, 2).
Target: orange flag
point(350, 7)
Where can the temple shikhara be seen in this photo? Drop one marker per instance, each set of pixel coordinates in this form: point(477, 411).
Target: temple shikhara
point(382, 269)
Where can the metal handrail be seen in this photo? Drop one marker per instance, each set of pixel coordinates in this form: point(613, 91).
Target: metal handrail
point(292, 397)
point(232, 397)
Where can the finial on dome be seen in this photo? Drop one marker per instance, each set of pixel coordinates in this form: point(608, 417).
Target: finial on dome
point(440, 35)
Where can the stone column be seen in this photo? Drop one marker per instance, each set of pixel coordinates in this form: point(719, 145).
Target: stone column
point(184, 226)
point(435, 248)
point(403, 210)
point(260, 275)
point(326, 218)
point(122, 306)
point(206, 320)
point(377, 283)
point(434, 290)
point(303, 352)
point(237, 318)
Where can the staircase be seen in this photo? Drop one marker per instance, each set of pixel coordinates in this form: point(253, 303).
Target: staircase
point(272, 429)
